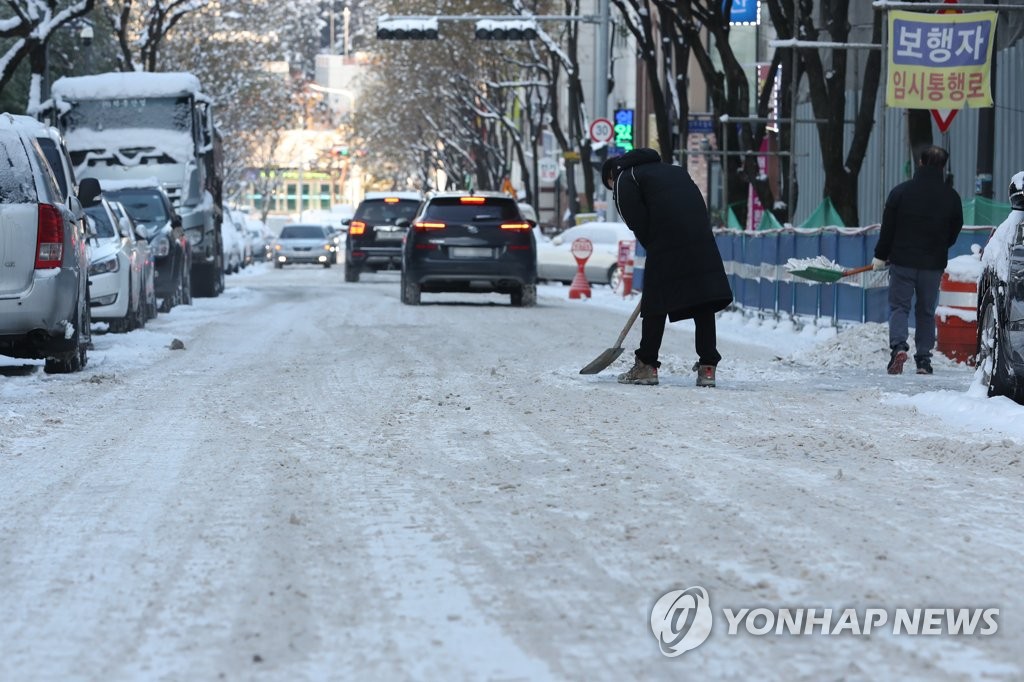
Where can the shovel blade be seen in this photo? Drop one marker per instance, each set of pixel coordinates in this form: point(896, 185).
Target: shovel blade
point(602, 361)
point(819, 274)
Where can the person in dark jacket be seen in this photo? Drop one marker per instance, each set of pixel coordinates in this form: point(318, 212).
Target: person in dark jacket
point(684, 277)
point(921, 220)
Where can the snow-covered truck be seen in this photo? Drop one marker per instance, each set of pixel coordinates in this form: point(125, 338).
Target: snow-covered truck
point(128, 126)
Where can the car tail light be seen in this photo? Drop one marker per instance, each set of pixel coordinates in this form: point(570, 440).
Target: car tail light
point(515, 226)
point(391, 200)
point(472, 200)
point(356, 227)
point(424, 226)
point(49, 238)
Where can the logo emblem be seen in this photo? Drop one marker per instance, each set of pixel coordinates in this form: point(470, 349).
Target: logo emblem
point(681, 620)
point(472, 229)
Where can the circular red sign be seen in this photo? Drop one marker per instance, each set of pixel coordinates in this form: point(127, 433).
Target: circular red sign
point(582, 248)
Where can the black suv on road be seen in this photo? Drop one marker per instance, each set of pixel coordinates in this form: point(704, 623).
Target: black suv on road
point(465, 242)
point(376, 230)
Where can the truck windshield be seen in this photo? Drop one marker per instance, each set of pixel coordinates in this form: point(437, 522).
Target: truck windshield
point(162, 113)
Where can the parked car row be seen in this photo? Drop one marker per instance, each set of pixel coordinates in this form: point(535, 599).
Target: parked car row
point(246, 240)
point(77, 251)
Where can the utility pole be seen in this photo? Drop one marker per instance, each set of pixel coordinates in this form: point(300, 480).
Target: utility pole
point(601, 65)
point(987, 138)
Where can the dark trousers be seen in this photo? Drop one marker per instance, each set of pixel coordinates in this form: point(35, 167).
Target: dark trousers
point(652, 329)
point(921, 286)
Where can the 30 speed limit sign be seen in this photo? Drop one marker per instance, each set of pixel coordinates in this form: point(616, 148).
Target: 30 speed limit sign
point(601, 130)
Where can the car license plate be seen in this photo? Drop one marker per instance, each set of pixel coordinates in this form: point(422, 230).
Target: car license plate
point(389, 234)
point(470, 252)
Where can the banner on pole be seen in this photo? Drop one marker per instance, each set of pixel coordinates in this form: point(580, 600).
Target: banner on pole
point(940, 61)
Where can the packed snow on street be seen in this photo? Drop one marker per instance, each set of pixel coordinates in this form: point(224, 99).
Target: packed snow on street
point(324, 483)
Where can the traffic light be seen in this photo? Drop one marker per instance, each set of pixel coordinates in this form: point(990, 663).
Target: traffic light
point(505, 29)
point(407, 29)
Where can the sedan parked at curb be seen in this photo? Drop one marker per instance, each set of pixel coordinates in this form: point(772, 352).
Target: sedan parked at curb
point(305, 244)
point(116, 266)
point(555, 261)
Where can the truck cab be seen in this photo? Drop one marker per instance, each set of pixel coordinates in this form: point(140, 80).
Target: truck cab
point(129, 126)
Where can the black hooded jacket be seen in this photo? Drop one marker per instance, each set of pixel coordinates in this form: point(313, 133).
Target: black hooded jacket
point(661, 204)
point(921, 220)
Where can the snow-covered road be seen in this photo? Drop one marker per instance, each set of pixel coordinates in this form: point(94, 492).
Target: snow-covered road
point(326, 484)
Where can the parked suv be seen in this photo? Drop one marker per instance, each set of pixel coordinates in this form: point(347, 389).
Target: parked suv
point(148, 204)
point(472, 243)
point(44, 304)
point(376, 230)
point(1001, 303)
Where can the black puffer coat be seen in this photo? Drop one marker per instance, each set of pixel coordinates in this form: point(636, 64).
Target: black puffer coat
point(922, 219)
point(663, 207)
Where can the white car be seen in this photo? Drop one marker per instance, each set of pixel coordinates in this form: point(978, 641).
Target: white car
point(116, 265)
point(150, 303)
point(234, 242)
point(555, 261)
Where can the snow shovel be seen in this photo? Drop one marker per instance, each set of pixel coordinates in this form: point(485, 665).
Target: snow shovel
point(610, 354)
point(827, 275)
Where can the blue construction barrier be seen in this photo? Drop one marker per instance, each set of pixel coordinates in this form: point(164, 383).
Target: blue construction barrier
point(754, 261)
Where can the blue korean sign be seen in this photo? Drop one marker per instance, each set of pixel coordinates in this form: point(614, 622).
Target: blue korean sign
point(743, 11)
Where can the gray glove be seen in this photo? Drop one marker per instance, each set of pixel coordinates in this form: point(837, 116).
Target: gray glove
point(878, 264)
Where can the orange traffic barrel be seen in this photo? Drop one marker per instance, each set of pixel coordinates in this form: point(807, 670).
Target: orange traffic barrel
point(956, 319)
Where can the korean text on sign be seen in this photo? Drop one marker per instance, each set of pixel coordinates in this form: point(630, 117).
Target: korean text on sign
point(940, 61)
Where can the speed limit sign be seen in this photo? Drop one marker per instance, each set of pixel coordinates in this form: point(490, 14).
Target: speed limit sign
point(601, 130)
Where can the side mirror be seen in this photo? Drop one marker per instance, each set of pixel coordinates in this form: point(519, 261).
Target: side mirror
point(403, 222)
point(125, 226)
point(346, 221)
point(75, 206)
point(90, 226)
point(89, 192)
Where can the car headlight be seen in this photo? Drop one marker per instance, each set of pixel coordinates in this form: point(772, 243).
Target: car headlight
point(195, 236)
point(104, 266)
point(161, 247)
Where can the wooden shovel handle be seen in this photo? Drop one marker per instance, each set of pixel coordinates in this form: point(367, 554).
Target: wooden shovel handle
point(857, 271)
point(629, 323)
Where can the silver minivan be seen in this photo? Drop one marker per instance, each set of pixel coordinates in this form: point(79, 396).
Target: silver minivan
point(44, 305)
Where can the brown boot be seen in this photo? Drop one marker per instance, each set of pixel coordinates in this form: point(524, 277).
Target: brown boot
point(640, 373)
point(705, 375)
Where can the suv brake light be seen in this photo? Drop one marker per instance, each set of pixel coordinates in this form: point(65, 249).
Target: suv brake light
point(49, 238)
point(423, 226)
point(356, 227)
point(472, 200)
point(515, 226)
